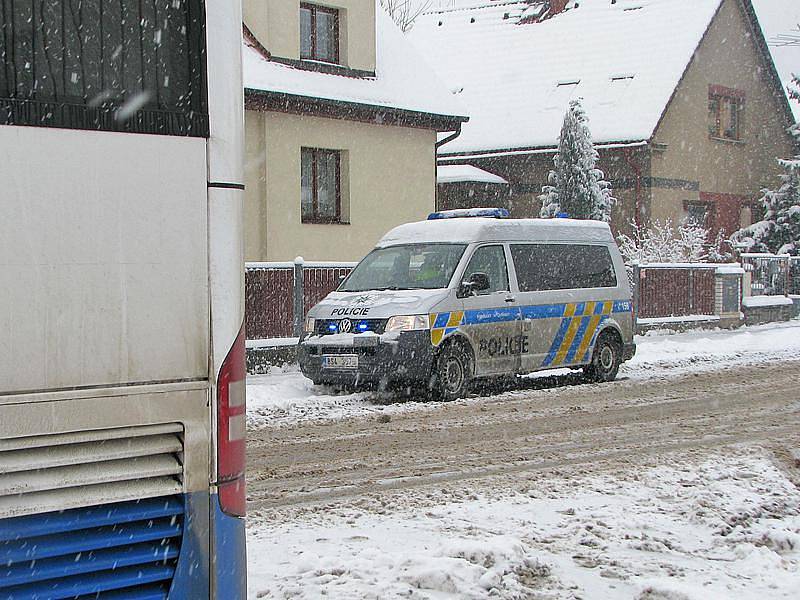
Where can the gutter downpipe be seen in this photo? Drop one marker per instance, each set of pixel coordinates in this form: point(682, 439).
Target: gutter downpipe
point(637, 170)
point(450, 137)
point(438, 145)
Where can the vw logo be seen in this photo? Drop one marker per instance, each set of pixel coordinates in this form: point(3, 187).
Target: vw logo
point(345, 326)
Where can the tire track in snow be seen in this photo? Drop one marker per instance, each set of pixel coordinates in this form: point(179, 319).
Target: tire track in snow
point(523, 431)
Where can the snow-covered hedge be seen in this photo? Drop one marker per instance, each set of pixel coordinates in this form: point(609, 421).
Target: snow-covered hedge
point(662, 242)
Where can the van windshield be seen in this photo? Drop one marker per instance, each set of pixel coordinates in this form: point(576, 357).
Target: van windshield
point(405, 267)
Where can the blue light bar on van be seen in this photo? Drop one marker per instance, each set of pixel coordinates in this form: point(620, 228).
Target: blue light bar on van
point(460, 213)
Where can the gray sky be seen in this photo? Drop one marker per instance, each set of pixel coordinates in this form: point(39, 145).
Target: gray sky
point(781, 16)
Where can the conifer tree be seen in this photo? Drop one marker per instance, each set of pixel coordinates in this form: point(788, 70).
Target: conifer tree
point(576, 187)
point(779, 231)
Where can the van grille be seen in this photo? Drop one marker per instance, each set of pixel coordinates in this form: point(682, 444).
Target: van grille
point(331, 326)
point(129, 549)
point(68, 470)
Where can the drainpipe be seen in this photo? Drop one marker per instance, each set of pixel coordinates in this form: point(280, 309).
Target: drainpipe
point(438, 145)
point(450, 137)
point(637, 171)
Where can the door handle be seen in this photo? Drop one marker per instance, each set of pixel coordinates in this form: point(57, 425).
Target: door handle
point(510, 299)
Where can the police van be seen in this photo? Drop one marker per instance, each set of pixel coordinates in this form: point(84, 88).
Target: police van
point(472, 294)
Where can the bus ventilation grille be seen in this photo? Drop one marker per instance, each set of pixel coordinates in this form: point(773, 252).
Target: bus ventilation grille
point(69, 470)
point(121, 550)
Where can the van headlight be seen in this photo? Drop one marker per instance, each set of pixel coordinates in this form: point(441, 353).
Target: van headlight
point(310, 325)
point(407, 323)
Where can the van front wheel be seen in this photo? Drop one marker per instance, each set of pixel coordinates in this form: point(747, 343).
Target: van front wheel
point(606, 359)
point(453, 372)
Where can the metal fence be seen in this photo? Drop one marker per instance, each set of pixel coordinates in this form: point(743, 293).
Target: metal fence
point(674, 290)
point(279, 294)
point(772, 274)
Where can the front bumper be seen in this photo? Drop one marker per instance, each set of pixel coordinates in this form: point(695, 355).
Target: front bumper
point(405, 358)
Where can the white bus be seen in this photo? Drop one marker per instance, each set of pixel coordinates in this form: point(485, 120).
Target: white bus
point(122, 428)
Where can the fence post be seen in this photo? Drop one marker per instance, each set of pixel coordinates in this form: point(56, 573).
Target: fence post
point(637, 272)
point(298, 294)
point(786, 277)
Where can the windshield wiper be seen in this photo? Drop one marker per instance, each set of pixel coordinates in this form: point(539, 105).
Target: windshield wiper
point(391, 288)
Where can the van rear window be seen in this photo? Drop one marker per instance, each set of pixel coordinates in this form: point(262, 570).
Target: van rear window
point(562, 267)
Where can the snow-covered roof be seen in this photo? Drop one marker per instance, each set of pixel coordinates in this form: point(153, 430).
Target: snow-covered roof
point(403, 80)
point(624, 59)
point(465, 173)
point(478, 229)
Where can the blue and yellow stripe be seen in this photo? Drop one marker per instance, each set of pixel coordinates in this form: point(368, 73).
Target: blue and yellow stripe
point(580, 324)
point(577, 332)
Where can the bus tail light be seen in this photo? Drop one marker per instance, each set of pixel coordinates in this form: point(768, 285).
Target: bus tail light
point(232, 430)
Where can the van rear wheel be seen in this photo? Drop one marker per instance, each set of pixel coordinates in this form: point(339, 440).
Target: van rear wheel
point(453, 373)
point(606, 359)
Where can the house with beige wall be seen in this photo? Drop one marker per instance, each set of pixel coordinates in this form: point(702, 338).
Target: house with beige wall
point(685, 107)
point(342, 120)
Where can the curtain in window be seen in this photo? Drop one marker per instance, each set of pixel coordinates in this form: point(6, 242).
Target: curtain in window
point(306, 47)
point(319, 184)
point(327, 184)
point(326, 36)
point(307, 183)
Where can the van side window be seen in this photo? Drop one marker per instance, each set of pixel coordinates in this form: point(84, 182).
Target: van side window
point(562, 267)
point(490, 260)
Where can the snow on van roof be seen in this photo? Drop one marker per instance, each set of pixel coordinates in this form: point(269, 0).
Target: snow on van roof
point(481, 229)
point(516, 79)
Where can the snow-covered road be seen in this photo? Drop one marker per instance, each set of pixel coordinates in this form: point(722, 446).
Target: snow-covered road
point(717, 528)
point(285, 397)
point(680, 481)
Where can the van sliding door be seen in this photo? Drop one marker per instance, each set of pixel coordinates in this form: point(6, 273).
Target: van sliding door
point(491, 316)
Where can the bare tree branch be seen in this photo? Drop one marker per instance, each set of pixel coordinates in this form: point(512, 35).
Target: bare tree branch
point(405, 12)
point(791, 38)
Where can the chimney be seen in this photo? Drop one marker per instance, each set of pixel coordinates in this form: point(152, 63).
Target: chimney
point(542, 10)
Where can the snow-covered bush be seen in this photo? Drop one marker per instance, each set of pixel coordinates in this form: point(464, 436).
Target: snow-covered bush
point(576, 187)
point(662, 242)
point(719, 249)
point(779, 231)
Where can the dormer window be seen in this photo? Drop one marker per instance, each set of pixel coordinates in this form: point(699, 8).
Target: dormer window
point(319, 33)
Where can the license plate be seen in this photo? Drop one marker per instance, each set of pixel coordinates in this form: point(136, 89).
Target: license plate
point(340, 361)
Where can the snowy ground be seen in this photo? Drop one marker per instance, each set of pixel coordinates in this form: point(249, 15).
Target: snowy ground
point(681, 527)
point(285, 397)
point(703, 519)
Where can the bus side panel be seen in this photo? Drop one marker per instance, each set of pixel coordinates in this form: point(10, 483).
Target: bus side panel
point(103, 259)
point(229, 561)
point(225, 92)
point(128, 444)
point(192, 577)
point(71, 474)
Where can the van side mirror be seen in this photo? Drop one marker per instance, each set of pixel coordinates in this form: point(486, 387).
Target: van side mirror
point(477, 282)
